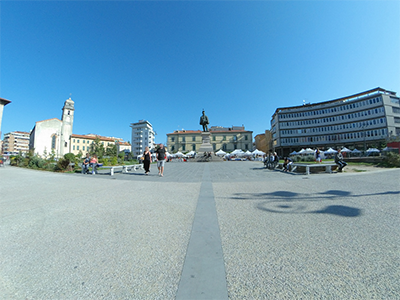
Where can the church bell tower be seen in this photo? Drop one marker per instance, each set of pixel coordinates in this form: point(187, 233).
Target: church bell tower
point(67, 119)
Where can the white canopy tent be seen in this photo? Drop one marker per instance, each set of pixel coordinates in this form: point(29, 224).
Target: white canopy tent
point(258, 152)
point(247, 153)
point(309, 151)
point(220, 152)
point(237, 152)
point(191, 153)
point(373, 150)
point(179, 154)
point(293, 153)
point(330, 151)
point(356, 151)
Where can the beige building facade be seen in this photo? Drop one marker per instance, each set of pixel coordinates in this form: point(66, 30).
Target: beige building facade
point(83, 142)
point(15, 142)
point(225, 138)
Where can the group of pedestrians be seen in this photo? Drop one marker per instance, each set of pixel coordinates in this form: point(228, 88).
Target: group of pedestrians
point(160, 157)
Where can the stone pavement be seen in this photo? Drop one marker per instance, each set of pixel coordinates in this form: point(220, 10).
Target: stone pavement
point(227, 230)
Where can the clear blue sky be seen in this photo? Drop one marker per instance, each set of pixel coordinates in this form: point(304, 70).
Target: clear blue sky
point(164, 61)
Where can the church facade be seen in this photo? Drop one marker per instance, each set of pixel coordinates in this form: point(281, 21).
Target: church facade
point(54, 134)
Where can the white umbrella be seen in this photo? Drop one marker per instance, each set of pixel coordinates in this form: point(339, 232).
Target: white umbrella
point(371, 150)
point(301, 151)
point(346, 150)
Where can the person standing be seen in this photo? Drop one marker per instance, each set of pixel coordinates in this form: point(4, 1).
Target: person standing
point(147, 160)
point(160, 159)
point(318, 156)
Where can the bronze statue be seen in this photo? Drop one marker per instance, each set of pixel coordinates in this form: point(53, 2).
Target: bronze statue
point(204, 121)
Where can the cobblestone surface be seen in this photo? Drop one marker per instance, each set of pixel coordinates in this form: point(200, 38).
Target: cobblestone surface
point(283, 236)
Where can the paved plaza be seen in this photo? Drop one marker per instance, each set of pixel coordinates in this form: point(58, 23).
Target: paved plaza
point(222, 230)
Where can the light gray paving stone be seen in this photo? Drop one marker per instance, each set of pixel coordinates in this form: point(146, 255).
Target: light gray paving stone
point(283, 236)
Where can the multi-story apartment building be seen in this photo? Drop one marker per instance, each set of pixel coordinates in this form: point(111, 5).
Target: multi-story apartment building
point(15, 142)
point(83, 142)
point(227, 139)
point(142, 136)
point(358, 121)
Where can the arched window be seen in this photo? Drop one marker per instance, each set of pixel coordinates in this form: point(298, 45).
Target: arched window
point(53, 142)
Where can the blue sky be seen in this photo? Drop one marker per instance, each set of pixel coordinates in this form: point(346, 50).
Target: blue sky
point(165, 61)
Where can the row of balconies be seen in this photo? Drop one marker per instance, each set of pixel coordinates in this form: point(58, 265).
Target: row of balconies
point(303, 132)
point(332, 110)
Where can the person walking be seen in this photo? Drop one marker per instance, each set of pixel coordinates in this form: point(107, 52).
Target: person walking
point(147, 160)
point(160, 159)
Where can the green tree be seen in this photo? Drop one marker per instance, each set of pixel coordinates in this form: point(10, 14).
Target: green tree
point(111, 151)
point(97, 148)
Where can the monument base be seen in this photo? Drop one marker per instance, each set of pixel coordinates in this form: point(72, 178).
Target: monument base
point(206, 151)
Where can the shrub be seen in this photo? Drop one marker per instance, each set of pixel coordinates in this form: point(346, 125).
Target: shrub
point(114, 161)
point(105, 161)
point(35, 162)
point(391, 160)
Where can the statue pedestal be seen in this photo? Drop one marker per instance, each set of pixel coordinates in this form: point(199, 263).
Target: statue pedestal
point(205, 148)
point(206, 145)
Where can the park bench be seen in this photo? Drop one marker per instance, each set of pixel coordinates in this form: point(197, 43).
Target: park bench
point(328, 167)
point(129, 168)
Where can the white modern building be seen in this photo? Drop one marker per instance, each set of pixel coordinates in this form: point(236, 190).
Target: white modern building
point(15, 142)
point(3, 102)
point(54, 134)
point(142, 136)
point(358, 121)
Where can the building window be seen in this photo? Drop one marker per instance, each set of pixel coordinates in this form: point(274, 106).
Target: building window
point(183, 139)
point(213, 137)
point(77, 141)
point(193, 138)
point(246, 137)
point(246, 146)
point(172, 139)
point(77, 147)
point(194, 147)
point(83, 148)
point(73, 147)
point(214, 147)
point(172, 148)
point(183, 147)
point(53, 142)
point(224, 138)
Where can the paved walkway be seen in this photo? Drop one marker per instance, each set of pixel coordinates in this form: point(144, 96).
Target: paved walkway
point(227, 230)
